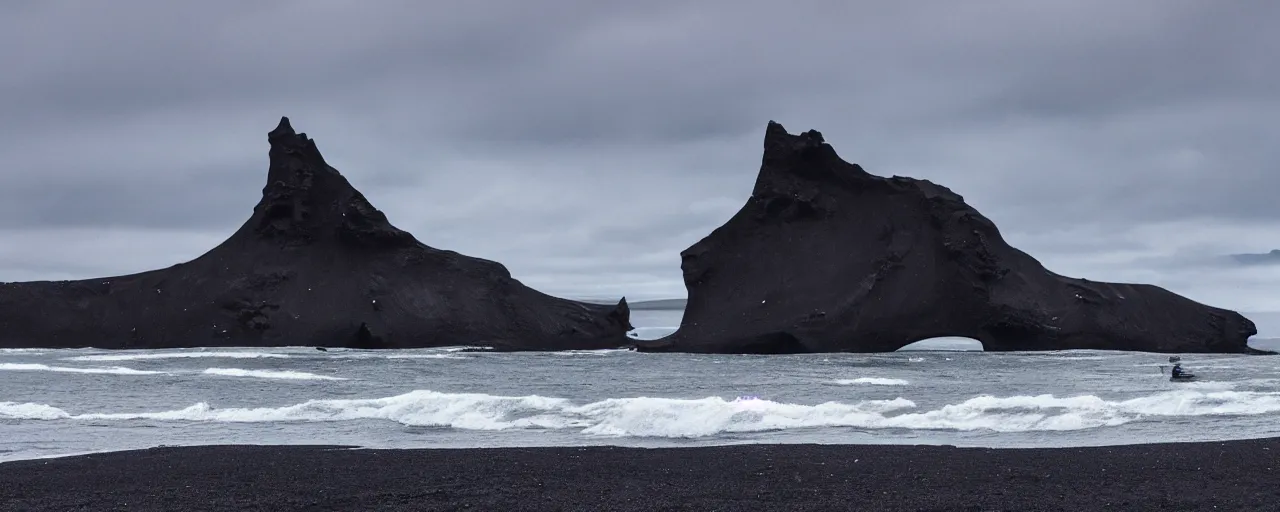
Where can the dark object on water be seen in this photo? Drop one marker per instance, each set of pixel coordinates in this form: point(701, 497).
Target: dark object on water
point(315, 264)
point(1177, 374)
point(322, 349)
point(825, 257)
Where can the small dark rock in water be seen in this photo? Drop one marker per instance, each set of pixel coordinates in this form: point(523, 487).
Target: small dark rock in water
point(314, 264)
point(825, 257)
point(322, 349)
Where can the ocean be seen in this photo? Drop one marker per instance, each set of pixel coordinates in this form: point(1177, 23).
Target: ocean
point(64, 402)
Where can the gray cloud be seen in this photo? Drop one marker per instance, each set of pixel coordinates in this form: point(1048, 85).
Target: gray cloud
point(584, 143)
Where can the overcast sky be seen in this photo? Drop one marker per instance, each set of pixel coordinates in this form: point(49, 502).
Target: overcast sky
point(585, 143)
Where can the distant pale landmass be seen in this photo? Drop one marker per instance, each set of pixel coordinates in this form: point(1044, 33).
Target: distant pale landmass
point(644, 305)
point(1266, 258)
point(660, 305)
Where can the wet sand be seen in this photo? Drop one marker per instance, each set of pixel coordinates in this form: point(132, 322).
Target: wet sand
point(1236, 475)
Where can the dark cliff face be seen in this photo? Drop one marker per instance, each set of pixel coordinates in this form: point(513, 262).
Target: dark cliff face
point(825, 257)
point(315, 264)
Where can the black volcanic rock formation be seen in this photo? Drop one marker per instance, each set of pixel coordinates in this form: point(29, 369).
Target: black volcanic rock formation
point(316, 264)
point(825, 257)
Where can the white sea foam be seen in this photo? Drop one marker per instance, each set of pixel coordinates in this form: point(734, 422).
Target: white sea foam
point(1204, 385)
point(37, 367)
point(874, 381)
point(177, 355)
point(672, 417)
point(426, 356)
point(375, 355)
point(29, 411)
point(604, 352)
point(268, 374)
point(429, 353)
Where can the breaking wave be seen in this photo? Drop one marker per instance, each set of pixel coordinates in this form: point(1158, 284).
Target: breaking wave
point(424, 356)
point(268, 374)
point(1083, 358)
point(429, 353)
point(374, 355)
point(874, 381)
point(692, 418)
point(602, 352)
point(177, 355)
point(36, 367)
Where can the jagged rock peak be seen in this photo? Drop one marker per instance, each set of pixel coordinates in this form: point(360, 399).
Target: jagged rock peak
point(289, 142)
point(306, 199)
point(284, 129)
point(807, 156)
point(774, 133)
point(621, 314)
point(776, 137)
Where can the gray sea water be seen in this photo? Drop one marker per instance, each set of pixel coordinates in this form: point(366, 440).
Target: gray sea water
point(62, 402)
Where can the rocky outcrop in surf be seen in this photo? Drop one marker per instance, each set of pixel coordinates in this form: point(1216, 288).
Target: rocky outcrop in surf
point(825, 257)
point(315, 264)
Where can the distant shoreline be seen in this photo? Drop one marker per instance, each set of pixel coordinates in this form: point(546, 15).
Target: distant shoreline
point(643, 305)
point(1228, 475)
point(660, 305)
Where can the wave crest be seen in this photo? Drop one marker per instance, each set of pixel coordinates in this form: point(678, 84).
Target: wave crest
point(177, 355)
point(37, 367)
point(874, 381)
point(268, 374)
point(675, 417)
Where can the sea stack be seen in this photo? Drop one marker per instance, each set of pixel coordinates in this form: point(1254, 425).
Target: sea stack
point(825, 257)
point(315, 265)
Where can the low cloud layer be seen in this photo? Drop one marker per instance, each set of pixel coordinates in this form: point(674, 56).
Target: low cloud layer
point(585, 143)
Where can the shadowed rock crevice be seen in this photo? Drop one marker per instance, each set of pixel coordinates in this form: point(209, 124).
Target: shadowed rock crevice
point(825, 257)
point(316, 264)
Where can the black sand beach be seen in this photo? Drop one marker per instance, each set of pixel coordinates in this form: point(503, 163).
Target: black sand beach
point(1237, 475)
